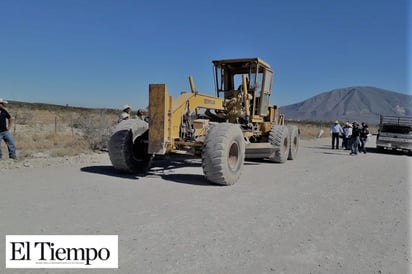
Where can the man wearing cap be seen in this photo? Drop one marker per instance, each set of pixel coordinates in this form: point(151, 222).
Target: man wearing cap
point(126, 111)
point(6, 123)
point(335, 130)
point(124, 116)
point(140, 114)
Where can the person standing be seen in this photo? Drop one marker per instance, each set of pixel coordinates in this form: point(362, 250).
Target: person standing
point(126, 112)
point(347, 132)
point(363, 137)
point(355, 138)
point(141, 114)
point(6, 123)
point(123, 116)
point(345, 135)
point(335, 130)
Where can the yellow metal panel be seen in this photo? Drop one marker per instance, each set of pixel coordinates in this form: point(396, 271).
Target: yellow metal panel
point(192, 84)
point(189, 102)
point(265, 127)
point(181, 100)
point(246, 100)
point(159, 108)
point(257, 119)
point(166, 115)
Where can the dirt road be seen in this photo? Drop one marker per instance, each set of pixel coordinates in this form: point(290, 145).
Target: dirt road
point(326, 212)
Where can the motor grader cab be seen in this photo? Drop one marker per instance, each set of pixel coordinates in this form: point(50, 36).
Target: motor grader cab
point(238, 123)
point(251, 81)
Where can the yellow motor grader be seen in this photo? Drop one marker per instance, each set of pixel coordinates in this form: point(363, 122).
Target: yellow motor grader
point(236, 124)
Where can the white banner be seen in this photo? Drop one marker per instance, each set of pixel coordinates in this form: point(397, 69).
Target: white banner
point(61, 251)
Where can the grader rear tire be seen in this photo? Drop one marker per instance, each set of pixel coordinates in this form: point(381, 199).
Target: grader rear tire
point(293, 142)
point(279, 138)
point(223, 154)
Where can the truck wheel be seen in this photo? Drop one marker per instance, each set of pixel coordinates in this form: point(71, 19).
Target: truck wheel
point(279, 138)
point(380, 149)
point(126, 155)
point(294, 142)
point(223, 154)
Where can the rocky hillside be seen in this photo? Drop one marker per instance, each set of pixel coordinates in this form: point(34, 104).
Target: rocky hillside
point(349, 104)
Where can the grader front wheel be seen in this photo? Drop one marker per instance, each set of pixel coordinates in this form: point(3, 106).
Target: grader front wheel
point(223, 154)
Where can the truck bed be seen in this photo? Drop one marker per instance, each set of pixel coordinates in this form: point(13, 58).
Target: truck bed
point(395, 133)
point(396, 124)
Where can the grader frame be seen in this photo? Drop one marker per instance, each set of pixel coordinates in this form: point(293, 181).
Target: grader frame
point(223, 130)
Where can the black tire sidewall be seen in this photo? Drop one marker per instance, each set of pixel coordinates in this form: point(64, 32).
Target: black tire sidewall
point(277, 137)
point(215, 153)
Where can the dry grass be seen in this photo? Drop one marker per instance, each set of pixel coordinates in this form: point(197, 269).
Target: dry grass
point(311, 129)
point(55, 144)
point(65, 131)
point(49, 130)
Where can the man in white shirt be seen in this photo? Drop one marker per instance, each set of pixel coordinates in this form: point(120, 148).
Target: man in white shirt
point(335, 131)
point(347, 134)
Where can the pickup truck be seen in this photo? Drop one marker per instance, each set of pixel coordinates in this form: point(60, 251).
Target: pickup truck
point(395, 133)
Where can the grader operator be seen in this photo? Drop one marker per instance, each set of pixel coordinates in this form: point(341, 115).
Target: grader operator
point(238, 123)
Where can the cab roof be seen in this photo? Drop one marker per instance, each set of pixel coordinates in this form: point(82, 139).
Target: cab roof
point(241, 60)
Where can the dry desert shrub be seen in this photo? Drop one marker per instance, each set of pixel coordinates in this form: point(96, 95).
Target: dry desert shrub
point(95, 129)
point(50, 144)
point(309, 129)
point(51, 130)
point(313, 129)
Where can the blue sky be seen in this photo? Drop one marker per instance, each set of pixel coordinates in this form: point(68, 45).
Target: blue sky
point(105, 53)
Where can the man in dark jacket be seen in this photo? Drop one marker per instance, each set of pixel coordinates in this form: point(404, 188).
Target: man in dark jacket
point(6, 123)
point(363, 137)
point(355, 138)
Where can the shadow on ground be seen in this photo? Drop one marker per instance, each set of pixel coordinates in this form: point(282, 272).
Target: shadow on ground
point(161, 168)
point(259, 161)
point(341, 151)
point(327, 149)
point(388, 151)
point(189, 179)
point(108, 171)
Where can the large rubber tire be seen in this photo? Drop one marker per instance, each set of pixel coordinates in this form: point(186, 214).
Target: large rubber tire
point(294, 140)
point(279, 138)
point(223, 154)
point(127, 155)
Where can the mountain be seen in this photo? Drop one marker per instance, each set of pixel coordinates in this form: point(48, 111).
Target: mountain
point(350, 104)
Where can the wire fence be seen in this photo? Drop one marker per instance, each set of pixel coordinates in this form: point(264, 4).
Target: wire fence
point(93, 127)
